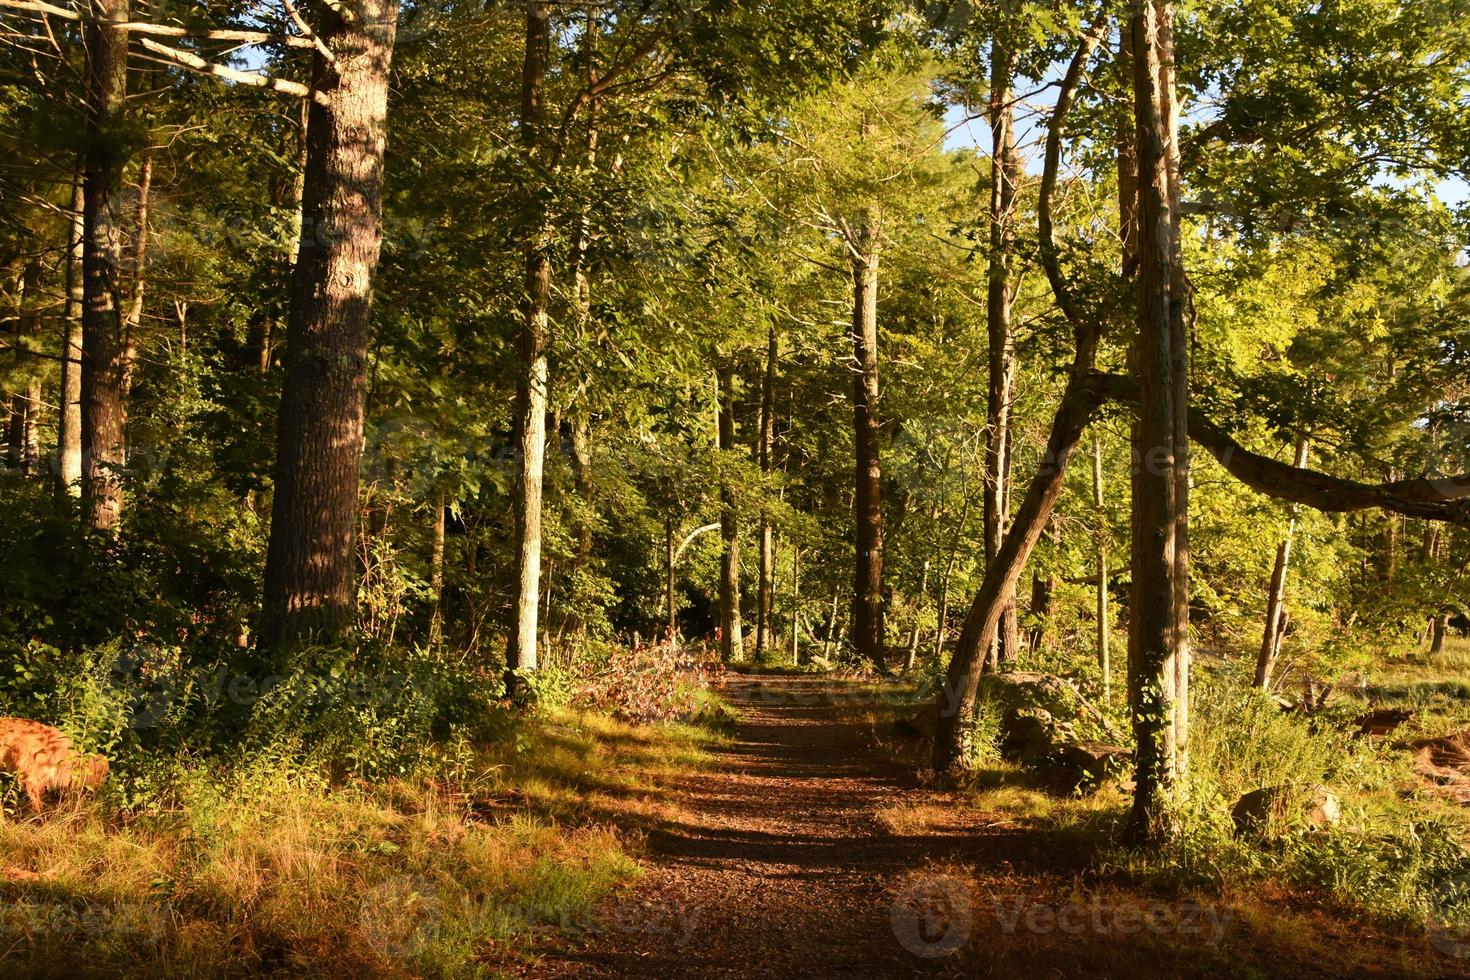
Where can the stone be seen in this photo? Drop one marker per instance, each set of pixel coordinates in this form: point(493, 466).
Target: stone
point(1090, 764)
point(1281, 807)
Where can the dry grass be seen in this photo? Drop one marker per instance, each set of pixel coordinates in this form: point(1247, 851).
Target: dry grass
point(429, 877)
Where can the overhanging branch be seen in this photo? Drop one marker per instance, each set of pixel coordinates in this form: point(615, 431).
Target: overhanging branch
point(1446, 499)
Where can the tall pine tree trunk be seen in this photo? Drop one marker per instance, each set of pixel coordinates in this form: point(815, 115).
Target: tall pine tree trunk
point(25, 409)
point(1276, 594)
point(69, 416)
point(766, 574)
point(1158, 616)
point(533, 372)
point(310, 580)
point(104, 410)
point(867, 599)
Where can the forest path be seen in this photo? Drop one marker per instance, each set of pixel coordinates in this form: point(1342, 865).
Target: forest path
point(780, 866)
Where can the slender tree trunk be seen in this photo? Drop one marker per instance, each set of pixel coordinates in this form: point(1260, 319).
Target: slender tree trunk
point(1276, 594)
point(1103, 614)
point(69, 418)
point(765, 596)
point(533, 377)
point(832, 628)
point(732, 641)
point(25, 409)
point(1005, 175)
point(671, 599)
point(913, 651)
point(310, 562)
point(867, 599)
point(1043, 592)
point(104, 410)
point(138, 261)
point(1158, 641)
point(795, 604)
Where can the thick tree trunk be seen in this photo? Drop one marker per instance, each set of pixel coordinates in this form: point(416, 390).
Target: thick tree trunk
point(1158, 640)
point(1276, 593)
point(1102, 612)
point(1438, 626)
point(104, 410)
point(867, 599)
point(69, 418)
point(766, 574)
point(732, 640)
point(533, 371)
point(1005, 175)
point(310, 563)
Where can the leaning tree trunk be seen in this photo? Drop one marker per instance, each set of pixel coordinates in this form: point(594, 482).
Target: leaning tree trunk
point(732, 641)
point(954, 736)
point(69, 415)
point(867, 599)
point(1085, 392)
point(766, 575)
point(533, 371)
point(1276, 595)
point(104, 410)
point(310, 562)
point(1005, 173)
point(1158, 616)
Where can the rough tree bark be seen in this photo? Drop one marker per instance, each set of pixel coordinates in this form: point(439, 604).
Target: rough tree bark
point(1276, 593)
point(732, 641)
point(1005, 175)
point(533, 372)
point(104, 410)
point(867, 598)
point(310, 561)
point(1158, 615)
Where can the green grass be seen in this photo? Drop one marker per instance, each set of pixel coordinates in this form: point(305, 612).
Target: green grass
point(435, 876)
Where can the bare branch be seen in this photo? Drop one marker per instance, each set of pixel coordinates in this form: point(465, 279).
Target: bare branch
point(194, 63)
point(165, 30)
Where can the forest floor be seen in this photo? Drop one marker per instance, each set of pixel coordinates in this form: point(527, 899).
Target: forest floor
point(809, 850)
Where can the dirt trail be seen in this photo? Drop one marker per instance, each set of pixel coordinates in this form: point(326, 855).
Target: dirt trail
point(781, 867)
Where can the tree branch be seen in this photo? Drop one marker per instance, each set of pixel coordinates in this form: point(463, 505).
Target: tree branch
point(1446, 499)
point(1088, 330)
point(184, 59)
point(163, 30)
